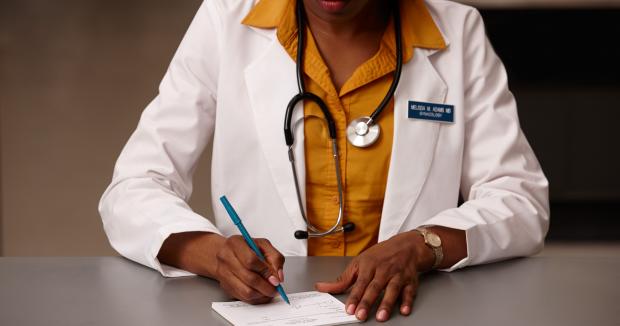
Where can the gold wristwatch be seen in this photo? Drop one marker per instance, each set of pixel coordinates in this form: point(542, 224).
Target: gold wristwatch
point(433, 241)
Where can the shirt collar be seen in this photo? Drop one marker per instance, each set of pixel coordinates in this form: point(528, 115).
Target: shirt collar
point(417, 25)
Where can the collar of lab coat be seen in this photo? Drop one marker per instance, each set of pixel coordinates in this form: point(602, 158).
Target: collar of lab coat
point(414, 141)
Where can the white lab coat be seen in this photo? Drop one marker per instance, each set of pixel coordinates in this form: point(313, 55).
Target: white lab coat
point(230, 84)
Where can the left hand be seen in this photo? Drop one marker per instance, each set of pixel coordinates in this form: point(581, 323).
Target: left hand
point(393, 266)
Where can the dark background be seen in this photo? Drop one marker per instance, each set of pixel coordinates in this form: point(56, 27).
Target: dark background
point(76, 74)
point(564, 70)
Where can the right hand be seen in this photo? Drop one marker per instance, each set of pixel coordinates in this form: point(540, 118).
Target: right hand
point(228, 260)
point(243, 275)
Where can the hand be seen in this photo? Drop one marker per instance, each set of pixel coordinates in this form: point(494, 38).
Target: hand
point(243, 275)
point(228, 260)
point(392, 266)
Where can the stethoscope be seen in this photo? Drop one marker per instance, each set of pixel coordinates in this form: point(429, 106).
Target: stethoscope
point(361, 132)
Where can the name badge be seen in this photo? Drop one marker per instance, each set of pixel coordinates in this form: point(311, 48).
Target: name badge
point(431, 111)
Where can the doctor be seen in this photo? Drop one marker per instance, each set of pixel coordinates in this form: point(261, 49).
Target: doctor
point(419, 111)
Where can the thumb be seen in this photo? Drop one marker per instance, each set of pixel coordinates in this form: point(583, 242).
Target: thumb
point(341, 284)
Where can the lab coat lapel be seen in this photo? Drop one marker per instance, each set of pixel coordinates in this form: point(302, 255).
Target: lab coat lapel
point(271, 83)
point(413, 143)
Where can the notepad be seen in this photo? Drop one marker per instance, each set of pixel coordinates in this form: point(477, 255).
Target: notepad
point(306, 308)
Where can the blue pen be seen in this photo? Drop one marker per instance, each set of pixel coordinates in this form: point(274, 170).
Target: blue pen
point(248, 239)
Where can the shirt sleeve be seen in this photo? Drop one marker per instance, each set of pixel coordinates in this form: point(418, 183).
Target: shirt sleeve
point(147, 198)
point(506, 212)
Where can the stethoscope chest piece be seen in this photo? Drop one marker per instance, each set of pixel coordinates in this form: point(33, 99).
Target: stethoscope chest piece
point(361, 132)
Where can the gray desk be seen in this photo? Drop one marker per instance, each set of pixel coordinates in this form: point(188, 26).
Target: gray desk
point(113, 291)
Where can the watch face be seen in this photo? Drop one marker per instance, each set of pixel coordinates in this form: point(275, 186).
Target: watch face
point(434, 240)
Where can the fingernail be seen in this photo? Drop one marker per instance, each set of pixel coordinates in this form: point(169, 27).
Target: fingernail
point(351, 309)
point(273, 280)
point(281, 275)
point(405, 310)
point(361, 314)
point(382, 315)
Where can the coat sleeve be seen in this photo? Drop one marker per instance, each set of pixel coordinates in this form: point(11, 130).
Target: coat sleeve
point(147, 198)
point(506, 212)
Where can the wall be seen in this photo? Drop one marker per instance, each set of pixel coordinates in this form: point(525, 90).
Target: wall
point(75, 75)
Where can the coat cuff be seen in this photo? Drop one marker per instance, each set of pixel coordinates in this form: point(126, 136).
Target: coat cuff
point(459, 224)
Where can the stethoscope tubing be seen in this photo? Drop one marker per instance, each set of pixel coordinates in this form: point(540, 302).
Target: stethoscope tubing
point(331, 125)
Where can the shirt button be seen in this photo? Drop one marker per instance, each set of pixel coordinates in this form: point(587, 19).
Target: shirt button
point(335, 199)
point(336, 244)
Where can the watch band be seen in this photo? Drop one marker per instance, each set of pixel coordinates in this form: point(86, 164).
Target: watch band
point(433, 241)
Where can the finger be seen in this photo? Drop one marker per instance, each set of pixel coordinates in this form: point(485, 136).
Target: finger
point(342, 283)
point(364, 276)
point(249, 260)
point(371, 293)
point(392, 291)
point(237, 289)
point(251, 279)
point(273, 257)
point(407, 295)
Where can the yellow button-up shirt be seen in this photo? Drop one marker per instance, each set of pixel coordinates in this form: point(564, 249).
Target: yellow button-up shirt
point(364, 170)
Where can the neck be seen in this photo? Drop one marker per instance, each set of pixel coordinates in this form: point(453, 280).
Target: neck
point(360, 17)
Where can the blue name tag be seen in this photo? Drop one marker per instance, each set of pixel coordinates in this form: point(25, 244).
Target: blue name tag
point(431, 111)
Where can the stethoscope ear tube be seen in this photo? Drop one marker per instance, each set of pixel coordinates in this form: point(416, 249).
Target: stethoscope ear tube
point(347, 227)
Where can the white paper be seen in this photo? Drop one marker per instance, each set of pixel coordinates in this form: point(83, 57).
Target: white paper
point(306, 308)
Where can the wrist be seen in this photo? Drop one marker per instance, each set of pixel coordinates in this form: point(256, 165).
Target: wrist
point(424, 255)
point(192, 251)
point(211, 244)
